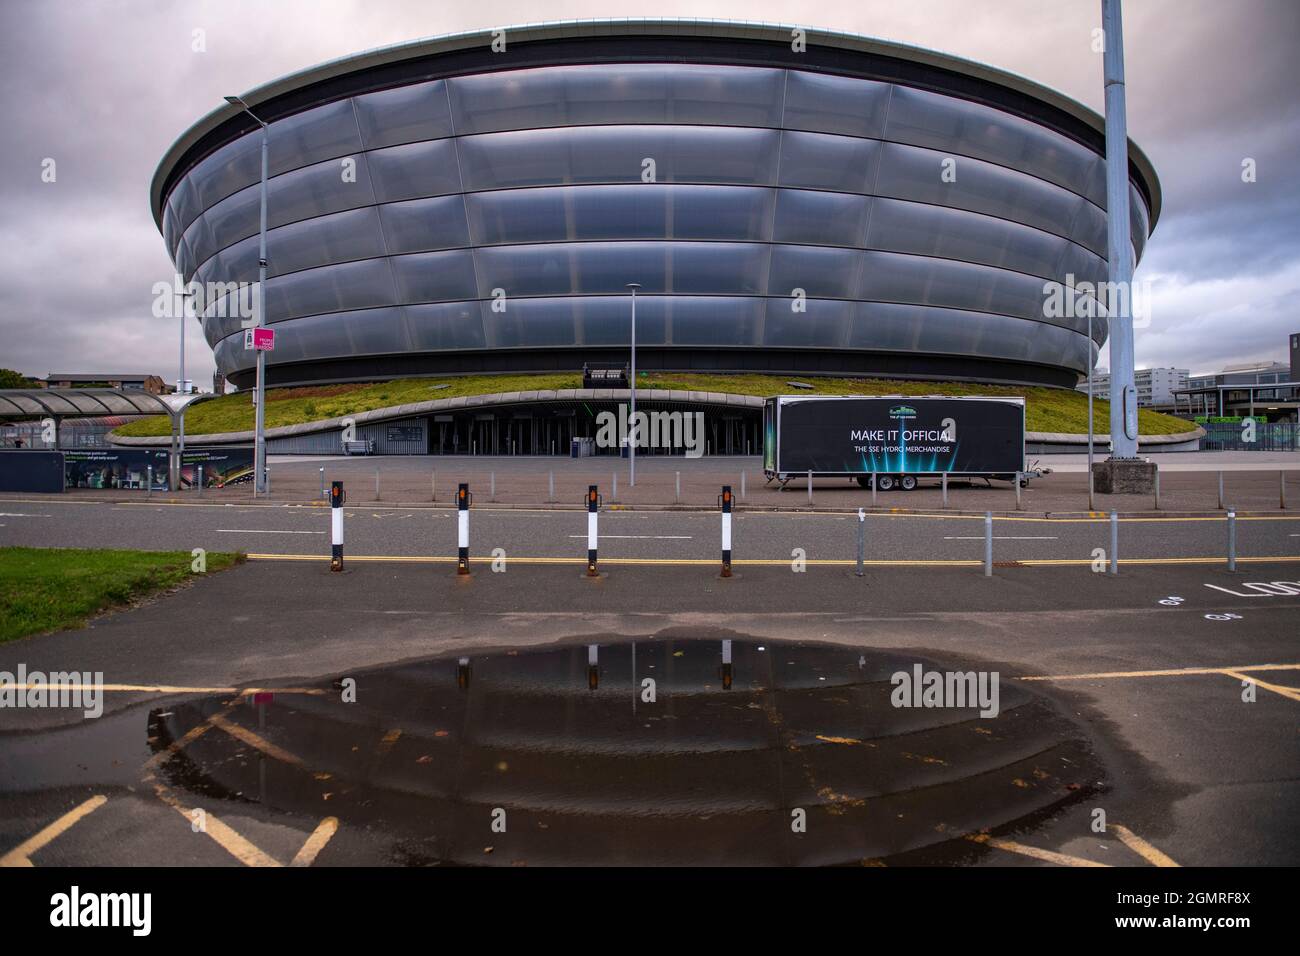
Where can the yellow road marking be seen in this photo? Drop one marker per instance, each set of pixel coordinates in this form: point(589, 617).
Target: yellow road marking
point(21, 854)
point(1290, 693)
point(244, 735)
point(1141, 847)
point(180, 743)
point(237, 846)
point(1173, 672)
point(316, 842)
point(1048, 856)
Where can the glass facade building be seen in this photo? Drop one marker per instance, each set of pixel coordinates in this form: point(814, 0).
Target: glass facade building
point(852, 208)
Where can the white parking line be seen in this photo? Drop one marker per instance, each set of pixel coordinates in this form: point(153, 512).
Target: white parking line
point(1000, 537)
point(640, 537)
point(261, 531)
point(18, 514)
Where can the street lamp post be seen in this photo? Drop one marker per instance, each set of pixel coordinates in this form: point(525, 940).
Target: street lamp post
point(632, 429)
point(259, 440)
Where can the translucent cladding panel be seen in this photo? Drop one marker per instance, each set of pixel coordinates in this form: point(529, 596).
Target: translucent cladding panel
point(824, 324)
point(922, 329)
point(352, 285)
point(445, 325)
point(317, 134)
point(341, 237)
point(603, 321)
point(1082, 265)
point(921, 280)
point(593, 268)
point(936, 231)
point(959, 126)
point(835, 104)
point(423, 224)
point(405, 114)
point(230, 220)
point(712, 321)
point(183, 203)
point(1089, 228)
point(821, 161)
point(185, 263)
point(616, 153)
point(434, 276)
point(317, 191)
point(819, 272)
point(908, 172)
point(618, 93)
point(231, 168)
point(170, 232)
point(341, 335)
point(817, 218)
point(641, 211)
point(415, 170)
point(1139, 221)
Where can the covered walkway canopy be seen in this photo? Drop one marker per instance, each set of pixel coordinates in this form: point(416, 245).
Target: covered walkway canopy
point(79, 403)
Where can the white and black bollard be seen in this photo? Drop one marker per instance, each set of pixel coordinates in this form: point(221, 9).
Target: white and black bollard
point(462, 673)
point(337, 497)
point(726, 665)
point(593, 504)
point(199, 485)
point(726, 530)
point(593, 666)
point(463, 498)
point(148, 488)
point(322, 484)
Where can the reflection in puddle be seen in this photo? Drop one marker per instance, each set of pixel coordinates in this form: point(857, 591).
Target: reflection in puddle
point(661, 752)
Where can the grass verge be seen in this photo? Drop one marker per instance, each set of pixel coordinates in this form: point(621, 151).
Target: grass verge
point(1046, 409)
point(49, 589)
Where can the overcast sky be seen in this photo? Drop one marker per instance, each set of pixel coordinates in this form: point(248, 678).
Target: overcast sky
point(104, 88)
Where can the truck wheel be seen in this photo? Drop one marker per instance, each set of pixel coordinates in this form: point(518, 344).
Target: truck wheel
point(908, 482)
point(885, 482)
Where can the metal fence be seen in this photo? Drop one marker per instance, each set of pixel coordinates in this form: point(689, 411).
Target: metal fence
point(1231, 436)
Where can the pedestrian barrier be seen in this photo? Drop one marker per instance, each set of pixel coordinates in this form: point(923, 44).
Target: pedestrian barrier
point(337, 498)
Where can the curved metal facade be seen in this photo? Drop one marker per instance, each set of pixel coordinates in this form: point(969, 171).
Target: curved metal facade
point(491, 220)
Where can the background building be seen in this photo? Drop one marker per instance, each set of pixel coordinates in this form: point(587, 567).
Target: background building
point(856, 207)
point(144, 382)
point(1156, 387)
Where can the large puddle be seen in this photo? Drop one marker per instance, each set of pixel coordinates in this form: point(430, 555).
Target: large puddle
point(793, 754)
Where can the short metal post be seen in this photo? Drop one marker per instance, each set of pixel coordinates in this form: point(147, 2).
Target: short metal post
point(862, 540)
point(809, 487)
point(1092, 505)
point(1114, 543)
point(462, 528)
point(742, 486)
point(727, 673)
point(1019, 506)
point(148, 488)
point(322, 484)
point(677, 494)
point(873, 489)
point(1281, 484)
point(433, 486)
point(614, 495)
point(593, 667)
point(944, 482)
point(492, 486)
point(266, 478)
point(988, 544)
point(593, 499)
point(550, 487)
point(337, 497)
point(1232, 541)
point(200, 482)
point(726, 531)
point(1220, 491)
point(1157, 489)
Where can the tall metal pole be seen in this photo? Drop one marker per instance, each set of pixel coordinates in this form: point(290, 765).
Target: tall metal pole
point(259, 448)
point(1123, 393)
point(632, 429)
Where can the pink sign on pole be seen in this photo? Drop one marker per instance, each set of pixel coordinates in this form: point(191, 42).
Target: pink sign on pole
point(263, 339)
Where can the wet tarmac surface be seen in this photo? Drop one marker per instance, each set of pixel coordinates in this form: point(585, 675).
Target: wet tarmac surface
point(539, 757)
